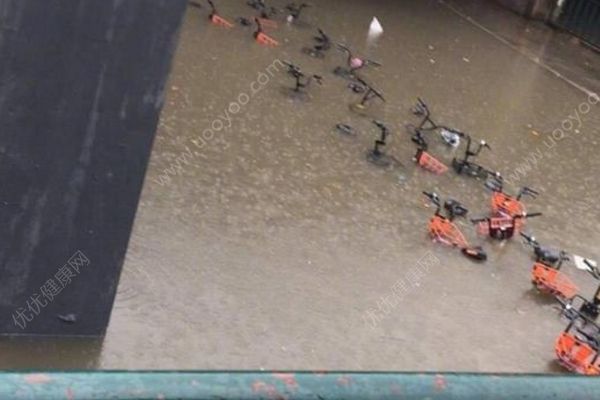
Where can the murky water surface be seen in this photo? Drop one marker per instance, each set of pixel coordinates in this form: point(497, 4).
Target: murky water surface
point(271, 237)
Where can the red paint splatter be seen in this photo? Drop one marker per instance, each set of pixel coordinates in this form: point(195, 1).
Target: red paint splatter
point(267, 389)
point(37, 379)
point(288, 379)
point(344, 381)
point(440, 383)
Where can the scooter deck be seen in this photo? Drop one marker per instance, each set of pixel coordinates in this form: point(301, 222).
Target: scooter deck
point(266, 40)
point(576, 355)
point(507, 205)
point(220, 21)
point(552, 281)
point(430, 163)
point(446, 232)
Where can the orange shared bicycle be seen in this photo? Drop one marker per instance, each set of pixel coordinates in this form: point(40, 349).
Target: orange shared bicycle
point(577, 347)
point(443, 230)
point(546, 275)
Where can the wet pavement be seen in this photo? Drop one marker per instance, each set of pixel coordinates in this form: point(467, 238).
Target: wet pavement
point(266, 239)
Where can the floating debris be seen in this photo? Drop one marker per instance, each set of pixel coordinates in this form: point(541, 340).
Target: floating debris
point(345, 129)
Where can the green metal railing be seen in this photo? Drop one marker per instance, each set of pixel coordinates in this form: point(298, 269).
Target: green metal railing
point(121, 385)
point(580, 17)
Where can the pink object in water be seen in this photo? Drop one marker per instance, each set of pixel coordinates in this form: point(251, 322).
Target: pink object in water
point(356, 62)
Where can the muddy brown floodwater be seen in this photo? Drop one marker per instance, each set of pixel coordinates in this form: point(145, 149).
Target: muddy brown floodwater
point(266, 242)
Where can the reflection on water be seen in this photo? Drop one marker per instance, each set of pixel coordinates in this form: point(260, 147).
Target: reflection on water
point(27, 353)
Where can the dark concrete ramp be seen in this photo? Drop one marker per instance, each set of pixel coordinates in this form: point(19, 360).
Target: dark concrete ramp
point(81, 88)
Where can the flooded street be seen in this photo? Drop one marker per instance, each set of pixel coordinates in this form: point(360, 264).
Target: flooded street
point(264, 238)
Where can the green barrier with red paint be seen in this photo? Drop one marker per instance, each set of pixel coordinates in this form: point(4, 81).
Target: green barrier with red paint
point(291, 385)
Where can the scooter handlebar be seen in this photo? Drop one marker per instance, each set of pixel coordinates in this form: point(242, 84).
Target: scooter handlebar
point(527, 237)
point(478, 220)
point(380, 124)
point(421, 104)
point(529, 191)
point(532, 215)
point(375, 63)
point(433, 197)
point(343, 48)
